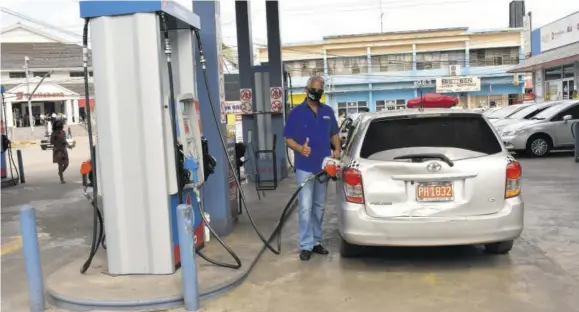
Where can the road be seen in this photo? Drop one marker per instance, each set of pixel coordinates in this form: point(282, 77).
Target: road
point(540, 275)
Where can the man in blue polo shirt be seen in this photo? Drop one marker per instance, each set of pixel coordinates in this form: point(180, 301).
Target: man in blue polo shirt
point(310, 129)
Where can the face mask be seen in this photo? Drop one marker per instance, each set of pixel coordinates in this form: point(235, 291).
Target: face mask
point(315, 95)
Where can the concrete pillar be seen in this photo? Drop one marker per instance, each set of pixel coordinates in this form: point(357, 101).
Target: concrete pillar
point(576, 78)
point(216, 188)
point(466, 54)
point(75, 113)
point(9, 116)
point(413, 57)
point(371, 104)
point(275, 65)
point(246, 75)
point(68, 111)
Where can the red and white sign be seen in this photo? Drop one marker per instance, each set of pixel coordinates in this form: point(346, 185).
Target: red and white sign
point(276, 106)
point(39, 95)
point(275, 93)
point(246, 107)
point(275, 97)
point(245, 95)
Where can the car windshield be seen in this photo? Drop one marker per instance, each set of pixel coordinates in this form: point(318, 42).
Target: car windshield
point(528, 112)
point(457, 136)
point(549, 112)
point(504, 112)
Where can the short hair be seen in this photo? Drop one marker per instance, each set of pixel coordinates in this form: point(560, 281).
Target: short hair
point(319, 79)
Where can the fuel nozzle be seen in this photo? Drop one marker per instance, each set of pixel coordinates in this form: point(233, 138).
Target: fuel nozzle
point(330, 167)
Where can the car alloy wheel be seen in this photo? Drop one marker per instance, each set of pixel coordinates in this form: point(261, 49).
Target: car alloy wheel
point(539, 147)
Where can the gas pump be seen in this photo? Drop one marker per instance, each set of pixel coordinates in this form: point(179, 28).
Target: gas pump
point(150, 144)
point(8, 169)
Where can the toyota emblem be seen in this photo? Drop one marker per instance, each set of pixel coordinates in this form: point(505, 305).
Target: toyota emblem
point(433, 167)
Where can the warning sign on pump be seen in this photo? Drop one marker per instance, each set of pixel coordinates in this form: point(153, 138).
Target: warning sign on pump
point(457, 84)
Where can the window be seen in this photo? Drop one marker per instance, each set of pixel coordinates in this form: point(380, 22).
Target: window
point(17, 74)
point(436, 60)
point(347, 65)
point(41, 74)
point(461, 136)
point(573, 111)
point(494, 57)
point(568, 71)
point(553, 73)
point(392, 62)
point(354, 107)
point(390, 105)
point(79, 74)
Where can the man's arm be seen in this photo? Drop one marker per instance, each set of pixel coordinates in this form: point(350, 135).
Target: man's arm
point(293, 145)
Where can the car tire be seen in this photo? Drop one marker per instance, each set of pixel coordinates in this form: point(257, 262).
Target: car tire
point(499, 248)
point(348, 250)
point(43, 147)
point(539, 145)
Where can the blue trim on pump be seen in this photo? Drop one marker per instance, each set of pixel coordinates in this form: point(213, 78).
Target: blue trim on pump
point(181, 17)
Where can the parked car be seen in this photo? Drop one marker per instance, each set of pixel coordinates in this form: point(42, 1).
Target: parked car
point(490, 110)
point(546, 131)
point(433, 178)
point(525, 113)
point(506, 111)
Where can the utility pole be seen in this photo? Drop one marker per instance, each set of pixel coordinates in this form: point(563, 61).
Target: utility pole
point(381, 17)
point(30, 118)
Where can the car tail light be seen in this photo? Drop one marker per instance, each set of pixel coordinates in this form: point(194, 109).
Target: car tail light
point(353, 187)
point(513, 184)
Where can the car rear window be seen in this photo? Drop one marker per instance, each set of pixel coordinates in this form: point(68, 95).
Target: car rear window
point(462, 136)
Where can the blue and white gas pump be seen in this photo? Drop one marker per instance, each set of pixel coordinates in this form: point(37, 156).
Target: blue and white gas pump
point(143, 106)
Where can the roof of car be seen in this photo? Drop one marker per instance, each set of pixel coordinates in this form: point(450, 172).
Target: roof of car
point(364, 117)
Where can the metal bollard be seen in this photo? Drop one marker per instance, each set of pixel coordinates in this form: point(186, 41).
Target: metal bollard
point(32, 258)
point(185, 221)
point(576, 135)
point(20, 166)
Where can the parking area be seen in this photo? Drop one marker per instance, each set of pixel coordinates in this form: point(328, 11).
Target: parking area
point(541, 274)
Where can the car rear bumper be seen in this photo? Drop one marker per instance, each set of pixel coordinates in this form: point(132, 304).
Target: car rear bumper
point(357, 227)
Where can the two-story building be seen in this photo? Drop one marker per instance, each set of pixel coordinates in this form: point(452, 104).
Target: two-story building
point(383, 71)
point(58, 62)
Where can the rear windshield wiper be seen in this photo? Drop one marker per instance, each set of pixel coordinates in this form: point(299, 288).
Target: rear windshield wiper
point(422, 157)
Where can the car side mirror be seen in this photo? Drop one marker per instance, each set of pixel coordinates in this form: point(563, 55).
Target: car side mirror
point(567, 118)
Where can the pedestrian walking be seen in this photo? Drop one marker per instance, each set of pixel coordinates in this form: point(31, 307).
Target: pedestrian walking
point(310, 130)
point(59, 145)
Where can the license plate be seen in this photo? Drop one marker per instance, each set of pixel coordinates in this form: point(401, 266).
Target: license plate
point(434, 192)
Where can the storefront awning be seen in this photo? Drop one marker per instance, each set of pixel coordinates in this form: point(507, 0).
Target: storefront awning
point(551, 58)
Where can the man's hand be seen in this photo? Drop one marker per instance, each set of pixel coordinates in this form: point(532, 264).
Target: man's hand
point(306, 149)
point(337, 154)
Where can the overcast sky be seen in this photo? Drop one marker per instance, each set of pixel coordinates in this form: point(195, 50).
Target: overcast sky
point(310, 20)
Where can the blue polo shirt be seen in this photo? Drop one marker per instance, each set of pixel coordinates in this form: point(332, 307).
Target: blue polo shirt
point(319, 127)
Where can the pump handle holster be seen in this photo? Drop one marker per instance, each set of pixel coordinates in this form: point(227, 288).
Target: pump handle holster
point(5, 143)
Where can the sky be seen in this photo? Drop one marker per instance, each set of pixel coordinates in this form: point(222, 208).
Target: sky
point(310, 20)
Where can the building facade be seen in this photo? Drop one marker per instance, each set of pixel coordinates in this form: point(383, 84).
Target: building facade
point(374, 72)
point(554, 61)
point(54, 76)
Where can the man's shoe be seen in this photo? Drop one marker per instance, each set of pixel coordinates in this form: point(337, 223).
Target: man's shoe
point(305, 255)
point(319, 249)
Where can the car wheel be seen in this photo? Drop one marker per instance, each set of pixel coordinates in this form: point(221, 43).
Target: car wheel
point(499, 248)
point(539, 146)
point(348, 250)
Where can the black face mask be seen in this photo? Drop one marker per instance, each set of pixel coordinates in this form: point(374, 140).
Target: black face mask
point(315, 95)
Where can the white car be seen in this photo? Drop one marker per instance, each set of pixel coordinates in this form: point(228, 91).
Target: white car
point(506, 111)
point(525, 113)
point(432, 178)
point(546, 131)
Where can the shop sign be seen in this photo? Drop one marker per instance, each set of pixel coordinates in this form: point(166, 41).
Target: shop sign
point(424, 83)
point(457, 84)
point(560, 33)
point(39, 95)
